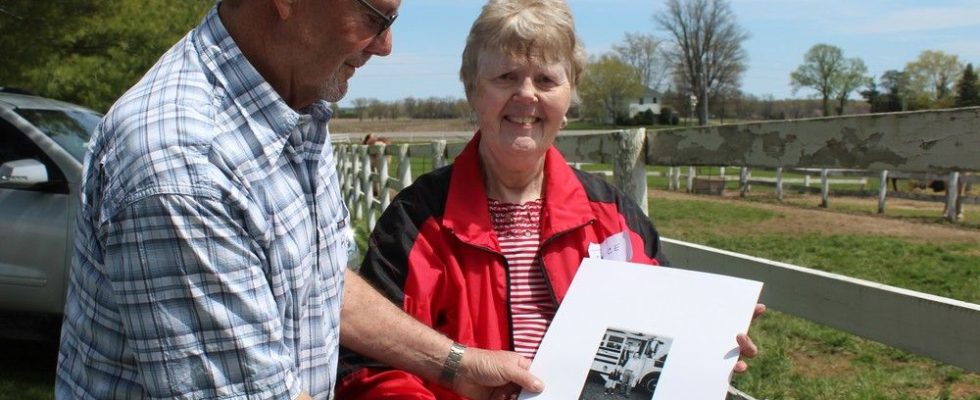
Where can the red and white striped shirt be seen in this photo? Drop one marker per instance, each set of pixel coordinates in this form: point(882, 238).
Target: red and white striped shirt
point(518, 228)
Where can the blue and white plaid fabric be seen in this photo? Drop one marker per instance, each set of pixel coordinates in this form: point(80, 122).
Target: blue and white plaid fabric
point(210, 251)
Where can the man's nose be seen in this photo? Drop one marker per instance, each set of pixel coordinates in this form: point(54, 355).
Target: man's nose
point(381, 45)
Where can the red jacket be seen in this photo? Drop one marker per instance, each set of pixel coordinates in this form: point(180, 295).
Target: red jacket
point(434, 252)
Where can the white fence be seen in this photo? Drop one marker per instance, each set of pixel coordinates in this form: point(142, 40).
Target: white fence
point(941, 143)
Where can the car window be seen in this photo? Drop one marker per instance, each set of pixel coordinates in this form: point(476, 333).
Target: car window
point(70, 129)
point(15, 145)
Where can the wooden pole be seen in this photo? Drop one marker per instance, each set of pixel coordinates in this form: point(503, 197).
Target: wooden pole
point(438, 153)
point(404, 166)
point(383, 191)
point(779, 183)
point(724, 180)
point(629, 167)
point(824, 189)
point(355, 195)
point(952, 186)
point(367, 194)
point(690, 179)
point(882, 190)
point(744, 181)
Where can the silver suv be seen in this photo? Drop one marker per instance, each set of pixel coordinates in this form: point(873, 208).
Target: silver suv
point(42, 142)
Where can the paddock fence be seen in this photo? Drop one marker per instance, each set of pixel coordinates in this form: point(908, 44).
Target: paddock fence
point(942, 144)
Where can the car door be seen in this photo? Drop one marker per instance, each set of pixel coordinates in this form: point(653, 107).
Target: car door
point(34, 224)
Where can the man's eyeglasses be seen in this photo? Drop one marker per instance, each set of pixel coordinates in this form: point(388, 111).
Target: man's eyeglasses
point(384, 20)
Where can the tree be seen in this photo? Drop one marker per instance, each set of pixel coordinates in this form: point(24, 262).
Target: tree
point(873, 96)
point(931, 77)
point(642, 52)
point(361, 107)
point(707, 52)
point(968, 89)
point(825, 70)
point(606, 86)
point(851, 78)
point(88, 51)
point(897, 94)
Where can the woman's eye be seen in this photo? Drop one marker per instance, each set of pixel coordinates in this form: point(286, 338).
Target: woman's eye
point(547, 81)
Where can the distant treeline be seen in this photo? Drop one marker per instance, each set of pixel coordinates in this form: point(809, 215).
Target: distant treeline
point(428, 108)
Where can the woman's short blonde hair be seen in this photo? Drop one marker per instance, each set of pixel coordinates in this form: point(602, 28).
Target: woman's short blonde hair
point(536, 30)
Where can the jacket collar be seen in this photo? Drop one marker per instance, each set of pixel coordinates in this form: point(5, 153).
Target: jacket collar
point(467, 214)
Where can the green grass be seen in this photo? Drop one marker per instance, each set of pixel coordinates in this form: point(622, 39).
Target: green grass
point(803, 360)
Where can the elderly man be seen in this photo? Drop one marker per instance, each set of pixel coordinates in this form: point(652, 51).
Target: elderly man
point(212, 241)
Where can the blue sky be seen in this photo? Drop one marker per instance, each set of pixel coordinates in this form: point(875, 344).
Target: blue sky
point(886, 34)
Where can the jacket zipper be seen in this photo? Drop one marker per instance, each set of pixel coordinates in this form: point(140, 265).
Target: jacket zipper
point(510, 316)
point(540, 258)
point(544, 272)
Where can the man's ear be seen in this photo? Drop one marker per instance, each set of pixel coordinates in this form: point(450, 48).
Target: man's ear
point(284, 8)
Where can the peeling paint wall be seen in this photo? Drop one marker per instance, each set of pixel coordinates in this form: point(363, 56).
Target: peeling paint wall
point(927, 141)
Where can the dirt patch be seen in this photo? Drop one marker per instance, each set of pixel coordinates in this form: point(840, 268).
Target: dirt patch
point(820, 366)
point(801, 220)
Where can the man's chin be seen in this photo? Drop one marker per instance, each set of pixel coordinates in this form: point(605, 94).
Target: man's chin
point(334, 91)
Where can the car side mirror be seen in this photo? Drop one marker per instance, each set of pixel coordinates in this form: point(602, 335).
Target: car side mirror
point(23, 173)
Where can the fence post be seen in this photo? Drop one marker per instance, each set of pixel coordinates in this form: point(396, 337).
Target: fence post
point(355, 177)
point(629, 167)
point(806, 179)
point(824, 189)
point(367, 199)
point(676, 178)
point(743, 181)
point(779, 183)
point(952, 191)
point(404, 166)
point(670, 178)
point(383, 176)
point(690, 179)
point(882, 190)
point(343, 168)
point(438, 153)
point(724, 181)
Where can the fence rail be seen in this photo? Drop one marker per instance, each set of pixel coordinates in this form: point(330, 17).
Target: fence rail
point(933, 326)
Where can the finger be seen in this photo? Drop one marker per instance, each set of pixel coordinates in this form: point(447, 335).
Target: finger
point(506, 392)
point(746, 346)
point(759, 309)
point(740, 367)
point(519, 375)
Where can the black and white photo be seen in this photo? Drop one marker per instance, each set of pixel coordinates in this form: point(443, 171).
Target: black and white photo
point(627, 364)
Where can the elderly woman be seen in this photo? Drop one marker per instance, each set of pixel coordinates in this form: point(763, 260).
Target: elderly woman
point(484, 250)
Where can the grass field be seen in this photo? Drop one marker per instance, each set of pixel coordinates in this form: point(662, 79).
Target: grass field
point(803, 360)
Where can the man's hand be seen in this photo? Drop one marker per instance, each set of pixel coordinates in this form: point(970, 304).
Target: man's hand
point(745, 345)
point(494, 375)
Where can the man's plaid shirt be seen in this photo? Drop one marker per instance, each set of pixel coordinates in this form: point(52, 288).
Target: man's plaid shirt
point(210, 249)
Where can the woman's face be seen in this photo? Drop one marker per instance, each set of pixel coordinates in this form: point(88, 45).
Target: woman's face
point(519, 106)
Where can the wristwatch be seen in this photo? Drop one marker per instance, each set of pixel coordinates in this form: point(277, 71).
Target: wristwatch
point(449, 369)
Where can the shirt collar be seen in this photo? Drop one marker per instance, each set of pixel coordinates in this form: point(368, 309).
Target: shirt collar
point(566, 204)
point(249, 91)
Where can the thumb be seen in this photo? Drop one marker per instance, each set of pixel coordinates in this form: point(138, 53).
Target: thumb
point(518, 374)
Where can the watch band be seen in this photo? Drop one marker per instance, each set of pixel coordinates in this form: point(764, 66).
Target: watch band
point(449, 369)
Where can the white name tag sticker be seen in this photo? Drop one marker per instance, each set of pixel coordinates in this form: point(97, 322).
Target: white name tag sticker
point(617, 247)
point(595, 251)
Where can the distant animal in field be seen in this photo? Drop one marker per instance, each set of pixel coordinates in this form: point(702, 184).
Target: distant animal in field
point(372, 139)
point(941, 186)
